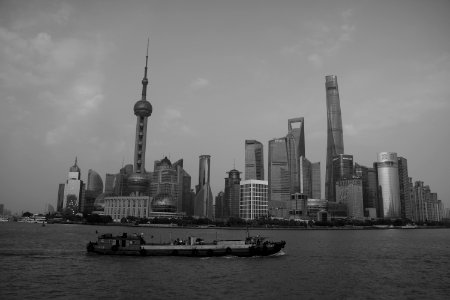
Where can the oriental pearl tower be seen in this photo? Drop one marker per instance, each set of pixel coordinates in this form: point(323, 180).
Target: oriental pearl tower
point(138, 182)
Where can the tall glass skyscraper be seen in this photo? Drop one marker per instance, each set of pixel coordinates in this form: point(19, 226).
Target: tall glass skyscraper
point(279, 178)
point(335, 140)
point(405, 193)
point(388, 181)
point(315, 181)
point(254, 160)
point(203, 206)
point(295, 145)
point(232, 194)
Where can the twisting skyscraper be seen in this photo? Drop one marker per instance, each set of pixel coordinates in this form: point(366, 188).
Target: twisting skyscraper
point(254, 160)
point(138, 182)
point(335, 140)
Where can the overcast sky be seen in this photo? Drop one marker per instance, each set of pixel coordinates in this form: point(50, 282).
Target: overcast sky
point(220, 72)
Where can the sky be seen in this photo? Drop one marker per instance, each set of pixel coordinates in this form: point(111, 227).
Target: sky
point(220, 72)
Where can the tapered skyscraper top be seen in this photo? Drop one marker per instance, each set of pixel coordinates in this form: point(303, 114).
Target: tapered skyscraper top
point(335, 140)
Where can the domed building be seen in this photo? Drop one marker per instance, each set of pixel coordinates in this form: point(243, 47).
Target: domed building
point(163, 203)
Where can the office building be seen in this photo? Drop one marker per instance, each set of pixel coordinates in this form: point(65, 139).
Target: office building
point(295, 147)
point(350, 193)
point(342, 168)
point(73, 190)
point(109, 183)
point(232, 193)
point(203, 206)
point(387, 169)
point(171, 179)
point(254, 160)
point(305, 177)
point(279, 178)
point(316, 192)
point(335, 140)
point(60, 201)
point(93, 189)
point(253, 199)
point(219, 211)
point(405, 194)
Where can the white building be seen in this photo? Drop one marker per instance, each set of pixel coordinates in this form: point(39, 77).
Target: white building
point(72, 189)
point(253, 201)
point(389, 183)
point(121, 207)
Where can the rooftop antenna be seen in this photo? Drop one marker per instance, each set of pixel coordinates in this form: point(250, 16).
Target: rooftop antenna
point(145, 80)
point(234, 164)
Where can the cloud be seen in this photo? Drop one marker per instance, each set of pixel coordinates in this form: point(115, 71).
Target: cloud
point(172, 120)
point(316, 60)
point(58, 78)
point(199, 83)
point(324, 40)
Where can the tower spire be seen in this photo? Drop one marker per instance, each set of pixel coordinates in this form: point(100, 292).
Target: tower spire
point(145, 80)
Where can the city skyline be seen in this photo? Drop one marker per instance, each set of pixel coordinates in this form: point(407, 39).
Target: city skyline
point(219, 73)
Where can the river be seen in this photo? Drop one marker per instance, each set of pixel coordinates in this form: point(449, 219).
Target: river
point(50, 262)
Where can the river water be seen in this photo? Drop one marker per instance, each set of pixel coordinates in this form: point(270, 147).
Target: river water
point(50, 262)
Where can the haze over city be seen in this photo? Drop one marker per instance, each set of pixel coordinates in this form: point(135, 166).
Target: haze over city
point(220, 72)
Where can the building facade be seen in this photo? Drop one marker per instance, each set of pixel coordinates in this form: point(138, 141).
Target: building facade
point(342, 168)
point(295, 147)
point(232, 193)
point(350, 193)
point(335, 140)
point(279, 178)
point(254, 160)
point(203, 206)
point(253, 199)
point(405, 193)
point(73, 190)
point(316, 186)
point(387, 169)
point(93, 189)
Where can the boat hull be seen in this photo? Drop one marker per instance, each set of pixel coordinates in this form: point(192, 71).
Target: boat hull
point(220, 248)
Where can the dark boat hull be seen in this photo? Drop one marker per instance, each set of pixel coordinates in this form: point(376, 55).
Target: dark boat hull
point(190, 250)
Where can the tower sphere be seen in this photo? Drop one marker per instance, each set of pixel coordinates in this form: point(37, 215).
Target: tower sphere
point(138, 182)
point(143, 108)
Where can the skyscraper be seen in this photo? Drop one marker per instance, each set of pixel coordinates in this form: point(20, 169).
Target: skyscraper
point(172, 180)
point(93, 190)
point(253, 203)
point(138, 182)
point(279, 178)
point(342, 168)
point(335, 140)
point(203, 206)
point(254, 160)
point(232, 194)
point(60, 201)
point(315, 181)
point(389, 185)
point(295, 146)
point(72, 189)
point(405, 193)
point(350, 192)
